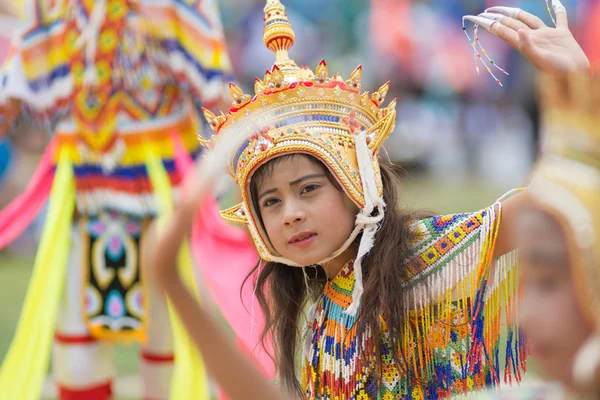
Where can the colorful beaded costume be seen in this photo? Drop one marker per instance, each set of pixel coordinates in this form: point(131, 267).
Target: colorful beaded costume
point(452, 327)
point(113, 86)
point(456, 294)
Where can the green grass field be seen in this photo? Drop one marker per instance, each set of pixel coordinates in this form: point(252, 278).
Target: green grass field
point(419, 193)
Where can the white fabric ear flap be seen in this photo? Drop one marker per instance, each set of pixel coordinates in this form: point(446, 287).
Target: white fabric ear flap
point(587, 363)
point(364, 219)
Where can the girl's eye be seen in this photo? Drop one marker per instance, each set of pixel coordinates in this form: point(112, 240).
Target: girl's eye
point(542, 282)
point(270, 202)
point(546, 283)
point(310, 187)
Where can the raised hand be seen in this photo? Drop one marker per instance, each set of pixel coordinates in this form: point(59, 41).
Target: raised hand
point(230, 368)
point(552, 50)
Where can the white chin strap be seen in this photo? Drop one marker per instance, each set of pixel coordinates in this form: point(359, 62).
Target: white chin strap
point(365, 222)
point(368, 223)
point(587, 362)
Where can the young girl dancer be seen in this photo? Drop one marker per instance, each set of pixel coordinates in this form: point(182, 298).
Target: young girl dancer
point(397, 306)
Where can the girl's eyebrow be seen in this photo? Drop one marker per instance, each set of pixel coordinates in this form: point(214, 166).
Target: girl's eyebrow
point(266, 192)
point(304, 178)
point(553, 260)
point(292, 183)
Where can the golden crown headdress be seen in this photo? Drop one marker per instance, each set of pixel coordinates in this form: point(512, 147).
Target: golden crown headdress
point(566, 180)
point(301, 111)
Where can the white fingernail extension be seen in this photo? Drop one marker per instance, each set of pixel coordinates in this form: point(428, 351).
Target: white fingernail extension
point(558, 6)
point(486, 23)
point(508, 11)
point(492, 16)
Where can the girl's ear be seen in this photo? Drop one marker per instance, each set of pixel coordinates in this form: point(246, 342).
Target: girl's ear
point(235, 214)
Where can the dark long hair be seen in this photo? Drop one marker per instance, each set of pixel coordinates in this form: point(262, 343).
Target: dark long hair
point(282, 292)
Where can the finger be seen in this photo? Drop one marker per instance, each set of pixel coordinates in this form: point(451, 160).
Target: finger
point(496, 28)
point(528, 19)
point(531, 20)
point(508, 35)
point(561, 14)
point(511, 23)
point(485, 22)
point(511, 12)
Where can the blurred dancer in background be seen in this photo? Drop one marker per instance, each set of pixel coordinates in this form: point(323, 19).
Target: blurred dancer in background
point(119, 84)
point(558, 237)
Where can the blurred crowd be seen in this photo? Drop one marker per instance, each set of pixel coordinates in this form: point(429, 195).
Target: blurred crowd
point(452, 123)
point(448, 116)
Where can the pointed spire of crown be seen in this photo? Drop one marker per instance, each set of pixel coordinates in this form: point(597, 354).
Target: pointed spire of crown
point(279, 36)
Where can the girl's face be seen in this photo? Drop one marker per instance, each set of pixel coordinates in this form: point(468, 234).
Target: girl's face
point(550, 313)
point(306, 216)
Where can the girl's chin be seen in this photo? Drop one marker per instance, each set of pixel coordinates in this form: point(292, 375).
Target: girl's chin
point(305, 261)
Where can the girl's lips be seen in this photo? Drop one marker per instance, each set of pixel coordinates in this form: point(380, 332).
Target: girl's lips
point(303, 239)
point(540, 350)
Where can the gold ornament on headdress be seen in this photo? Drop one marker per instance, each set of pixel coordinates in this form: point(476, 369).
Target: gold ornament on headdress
point(301, 111)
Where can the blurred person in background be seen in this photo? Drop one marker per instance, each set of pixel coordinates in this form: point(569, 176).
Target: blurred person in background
point(559, 239)
point(119, 84)
point(558, 235)
point(20, 151)
point(424, 49)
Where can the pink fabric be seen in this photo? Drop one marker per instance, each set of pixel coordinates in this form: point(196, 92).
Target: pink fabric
point(4, 47)
point(19, 214)
point(226, 255)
